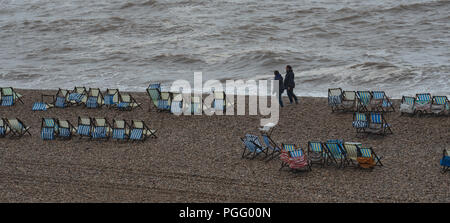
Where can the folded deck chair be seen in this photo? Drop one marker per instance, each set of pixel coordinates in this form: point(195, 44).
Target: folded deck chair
point(196, 105)
point(111, 97)
point(423, 103)
point(364, 98)
point(360, 122)
point(219, 103)
point(378, 124)
point(351, 150)
point(380, 102)
point(127, 102)
point(154, 92)
point(440, 105)
point(140, 131)
point(336, 154)
point(9, 96)
point(367, 158)
point(43, 105)
point(349, 101)
point(407, 105)
point(94, 98)
point(317, 153)
point(285, 155)
point(273, 150)
point(65, 129)
point(120, 129)
point(4, 128)
point(17, 127)
point(445, 161)
point(335, 99)
point(100, 128)
point(177, 104)
point(49, 128)
point(78, 96)
point(84, 127)
point(299, 160)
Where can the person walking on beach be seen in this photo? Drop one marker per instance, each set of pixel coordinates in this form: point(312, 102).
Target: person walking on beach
point(279, 78)
point(289, 84)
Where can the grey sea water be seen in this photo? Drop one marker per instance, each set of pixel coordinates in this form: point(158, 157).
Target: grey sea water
point(402, 47)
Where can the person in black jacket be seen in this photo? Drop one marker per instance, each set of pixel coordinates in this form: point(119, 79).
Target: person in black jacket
point(289, 84)
point(279, 78)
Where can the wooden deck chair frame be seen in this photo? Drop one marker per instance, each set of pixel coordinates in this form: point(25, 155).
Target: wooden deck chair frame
point(343, 161)
point(79, 90)
point(94, 93)
point(44, 125)
point(349, 101)
point(70, 128)
point(13, 94)
point(126, 126)
point(111, 94)
point(385, 127)
point(130, 100)
point(322, 154)
point(157, 90)
point(362, 105)
point(271, 145)
point(80, 122)
point(17, 132)
point(423, 108)
point(403, 101)
point(440, 101)
point(379, 103)
point(96, 123)
point(335, 105)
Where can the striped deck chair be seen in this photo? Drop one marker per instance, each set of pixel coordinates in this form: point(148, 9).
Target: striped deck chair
point(440, 105)
point(4, 128)
point(407, 105)
point(368, 152)
point(177, 104)
point(9, 96)
point(165, 101)
point(127, 102)
point(140, 131)
point(94, 98)
point(423, 103)
point(364, 98)
point(349, 101)
point(378, 124)
point(380, 101)
point(255, 140)
point(251, 149)
point(360, 122)
point(317, 153)
point(111, 97)
point(299, 160)
point(154, 92)
point(84, 127)
point(351, 149)
point(43, 105)
point(120, 129)
point(335, 99)
point(219, 103)
point(65, 129)
point(17, 127)
point(273, 150)
point(62, 98)
point(78, 96)
point(196, 105)
point(445, 161)
point(49, 128)
point(336, 154)
point(285, 155)
point(100, 128)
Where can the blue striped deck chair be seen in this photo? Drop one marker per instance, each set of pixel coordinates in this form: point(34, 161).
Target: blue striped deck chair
point(94, 98)
point(317, 153)
point(219, 103)
point(273, 150)
point(364, 98)
point(351, 150)
point(4, 128)
point(43, 105)
point(48, 128)
point(62, 98)
point(368, 152)
point(299, 160)
point(445, 161)
point(65, 129)
point(17, 127)
point(423, 103)
point(140, 131)
point(336, 154)
point(84, 127)
point(177, 104)
point(378, 124)
point(381, 102)
point(349, 101)
point(100, 128)
point(121, 129)
point(285, 155)
point(255, 140)
point(251, 149)
point(111, 97)
point(440, 105)
point(360, 122)
point(407, 105)
point(196, 105)
point(335, 99)
point(127, 102)
point(78, 96)
point(165, 101)
point(9, 96)
point(154, 92)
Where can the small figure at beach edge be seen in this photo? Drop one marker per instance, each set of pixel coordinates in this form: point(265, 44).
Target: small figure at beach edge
point(279, 78)
point(289, 84)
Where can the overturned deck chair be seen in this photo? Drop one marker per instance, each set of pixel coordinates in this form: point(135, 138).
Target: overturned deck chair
point(127, 102)
point(4, 128)
point(285, 155)
point(177, 104)
point(111, 97)
point(349, 100)
point(100, 128)
point(49, 128)
point(351, 150)
point(251, 149)
point(78, 96)
point(196, 105)
point(9, 97)
point(84, 127)
point(299, 160)
point(407, 105)
point(154, 92)
point(335, 99)
point(445, 161)
point(440, 105)
point(120, 129)
point(336, 154)
point(369, 157)
point(273, 150)
point(17, 127)
point(423, 103)
point(94, 98)
point(364, 98)
point(140, 131)
point(360, 122)
point(381, 102)
point(65, 129)
point(44, 105)
point(378, 124)
point(317, 153)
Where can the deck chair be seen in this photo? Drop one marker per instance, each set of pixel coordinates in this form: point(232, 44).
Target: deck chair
point(62, 98)
point(273, 150)
point(445, 161)
point(336, 154)
point(360, 122)
point(423, 103)
point(440, 105)
point(177, 104)
point(140, 131)
point(78, 96)
point(378, 124)
point(154, 92)
point(335, 99)
point(94, 98)
point(317, 153)
point(17, 127)
point(43, 105)
point(367, 152)
point(100, 128)
point(196, 105)
point(351, 149)
point(251, 149)
point(111, 97)
point(65, 129)
point(49, 128)
point(84, 127)
point(380, 102)
point(164, 101)
point(9, 97)
point(127, 102)
point(285, 155)
point(120, 129)
point(349, 100)
point(299, 160)
point(364, 98)
point(407, 105)
point(4, 128)
point(219, 102)
point(255, 140)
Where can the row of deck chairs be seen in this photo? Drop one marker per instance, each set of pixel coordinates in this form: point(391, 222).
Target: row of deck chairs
point(424, 103)
point(92, 98)
point(13, 127)
point(96, 128)
point(371, 123)
point(333, 152)
point(340, 100)
point(174, 102)
point(9, 97)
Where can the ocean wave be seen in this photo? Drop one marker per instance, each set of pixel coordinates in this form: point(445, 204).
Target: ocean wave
point(176, 58)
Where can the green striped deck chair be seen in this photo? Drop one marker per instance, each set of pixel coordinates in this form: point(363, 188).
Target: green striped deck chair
point(335, 99)
point(336, 154)
point(101, 128)
point(351, 149)
point(140, 131)
point(127, 102)
point(17, 127)
point(368, 152)
point(364, 98)
point(49, 128)
point(423, 103)
point(94, 98)
point(78, 96)
point(378, 124)
point(9, 97)
point(154, 92)
point(121, 129)
point(407, 105)
point(381, 102)
point(360, 122)
point(440, 105)
point(445, 161)
point(111, 97)
point(4, 128)
point(349, 100)
point(65, 129)
point(285, 154)
point(316, 153)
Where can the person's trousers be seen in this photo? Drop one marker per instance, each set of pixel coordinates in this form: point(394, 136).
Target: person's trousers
point(280, 99)
point(290, 93)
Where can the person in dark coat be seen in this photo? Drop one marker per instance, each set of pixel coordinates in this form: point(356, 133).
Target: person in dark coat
point(289, 84)
point(279, 78)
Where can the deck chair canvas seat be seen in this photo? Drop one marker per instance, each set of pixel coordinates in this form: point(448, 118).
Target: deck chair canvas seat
point(94, 98)
point(165, 101)
point(349, 100)
point(367, 158)
point(273, 150)
point(364, 99)
point(121, 129)
point(351, 150)
point(78, 96)
point(154, 92)
point(9, 97)
point(317, 153)
point(17, 127)
point(140, 131)
point(84, 127)
point(381, 102)
point(445, 161)
point(407, 105)
point(127, 102)
point(298, 160)
point(378, 124)
point(423, 103)
point(336, 154)
point(49, 128)
point(65, 129)
point(360, 122)
point(440, 105)
point(251, 150)
point(111, 97)
point(100, 128)
point(285, 155)
point(253, 139)
point(335, 99)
